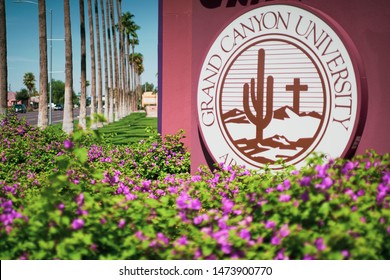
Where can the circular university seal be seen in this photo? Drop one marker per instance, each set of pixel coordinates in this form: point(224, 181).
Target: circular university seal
point(278, 83)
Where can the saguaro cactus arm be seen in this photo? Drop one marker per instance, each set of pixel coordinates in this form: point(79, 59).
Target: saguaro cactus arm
point(270, 101)
point(252, 118)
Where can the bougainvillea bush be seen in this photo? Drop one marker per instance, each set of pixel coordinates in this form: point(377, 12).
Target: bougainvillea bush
point(99, 201)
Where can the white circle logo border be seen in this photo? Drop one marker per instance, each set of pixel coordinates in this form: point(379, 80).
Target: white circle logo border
point(236, 131)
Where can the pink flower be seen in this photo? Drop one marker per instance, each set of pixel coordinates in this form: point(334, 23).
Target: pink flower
point(198, 220)
point(195, 204)
point(77, 224)
point(275, 240)
point(121, 223)
point(163, 238)
point(286, 184)
point(281, 256)
point(139, 235)
point(284, 198)
point(319, 243)
point(227, 205)
point(284, 231)
point(270, 224)
point(345, 254)
point(308, 257)
point(245, 234)
point(305, 181)
point(182, 240)
point(68, 144)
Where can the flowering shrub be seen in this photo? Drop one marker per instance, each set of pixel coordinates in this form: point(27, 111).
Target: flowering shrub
point(26, 151)
point(151, 158)
point(92, 205)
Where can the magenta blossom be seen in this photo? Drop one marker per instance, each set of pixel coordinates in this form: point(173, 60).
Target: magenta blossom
point(281, 256)
point(308, 257)
point(162, 238)
point(284, 231)
point(284, 198)
point(77, 224)
point(305, 181)
point(345, 254)
point(245, 234)
point(319, 243)
point(270, 224)
point(121, 223)
point(195, 204)
point(68, 144)
point(139, 235)
point(275, 240)
point(227, 205)
point(182, 240)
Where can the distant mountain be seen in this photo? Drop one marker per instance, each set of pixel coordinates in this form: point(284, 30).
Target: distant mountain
point(291, 126)
point(235, 116)
point(286, 111)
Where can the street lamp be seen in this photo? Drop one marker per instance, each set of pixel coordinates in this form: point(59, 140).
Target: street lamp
point(50, 55)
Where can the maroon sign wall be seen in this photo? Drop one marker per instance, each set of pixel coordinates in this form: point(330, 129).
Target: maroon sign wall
point(189, 27)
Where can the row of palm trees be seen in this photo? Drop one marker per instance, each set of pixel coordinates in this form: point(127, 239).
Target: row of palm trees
point(122, 66)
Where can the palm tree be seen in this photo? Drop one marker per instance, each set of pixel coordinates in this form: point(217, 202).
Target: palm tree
point(3, 60)
point(99, 74)
point(83, 95)
point(43, 79)
point(29, 82)
point(132, 39)
point(116, 87)
point(111, 97)
point(137, 63)
point(139, 70)
point(122, 77)
point(93, 60)
point(67, 124)
point(106, 87)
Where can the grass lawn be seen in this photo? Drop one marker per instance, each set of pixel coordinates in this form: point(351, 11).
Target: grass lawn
point(130, 129)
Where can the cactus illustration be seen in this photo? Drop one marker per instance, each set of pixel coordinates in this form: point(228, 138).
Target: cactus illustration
point(260, 120)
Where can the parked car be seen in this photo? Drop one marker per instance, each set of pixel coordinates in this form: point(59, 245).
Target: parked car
point(58, 107)
point(20, 108)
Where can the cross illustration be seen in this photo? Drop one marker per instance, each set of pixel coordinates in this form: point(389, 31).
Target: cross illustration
point(296, 88)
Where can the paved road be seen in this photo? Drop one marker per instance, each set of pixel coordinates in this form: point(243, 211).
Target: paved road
point(57, 116)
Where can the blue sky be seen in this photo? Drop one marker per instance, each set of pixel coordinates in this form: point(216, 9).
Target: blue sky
point(23, 45)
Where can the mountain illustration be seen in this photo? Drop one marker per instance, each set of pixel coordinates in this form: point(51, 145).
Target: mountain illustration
point(292, 126)
point(286, 134)
point(235, 116)
point(286, 111)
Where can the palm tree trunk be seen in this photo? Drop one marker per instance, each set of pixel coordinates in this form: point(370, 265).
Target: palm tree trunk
point(129, 74)
point(67, 124)
point(106, 88)
point(3, 60)
point(99, 73)
point(111, 100)
point(116, 89)
point(122, 59)
point(93, 63)
point(42, 113)
point(83, 94)
point(134, 79)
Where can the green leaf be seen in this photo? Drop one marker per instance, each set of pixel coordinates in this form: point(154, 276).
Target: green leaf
point(82, 154)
